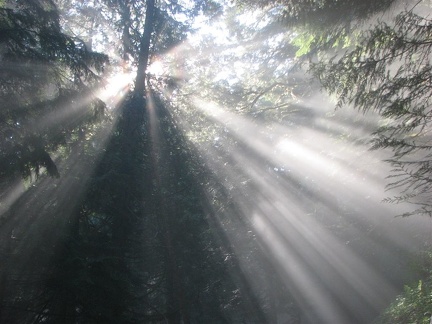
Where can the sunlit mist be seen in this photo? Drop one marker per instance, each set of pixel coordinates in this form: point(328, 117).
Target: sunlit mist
point(312, 191)
point(308, 186)
point(117, 87)
point(157, 68)
point(299, 181)
point(30, 223)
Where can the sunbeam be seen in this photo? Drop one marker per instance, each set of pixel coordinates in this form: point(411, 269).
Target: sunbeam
point(309, 188)
point(313, 200)
point(75, 108)
point(116, 88)
point(9, 196)
point(31, 226)
point(33, 215)
point(203, 161)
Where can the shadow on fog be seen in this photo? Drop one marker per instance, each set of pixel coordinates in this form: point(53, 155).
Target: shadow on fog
point(312, 193)
point(127, 234)
point(33, 226)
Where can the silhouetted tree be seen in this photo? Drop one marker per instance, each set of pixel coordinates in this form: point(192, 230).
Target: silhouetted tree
point(137, 243)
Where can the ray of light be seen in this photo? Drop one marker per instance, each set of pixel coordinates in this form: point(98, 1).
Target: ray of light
point(117, 86)
point(114, 91)
point(312, 191)
point(314, 201)
point(40, 216)
point(32, 218)
point(7, 199)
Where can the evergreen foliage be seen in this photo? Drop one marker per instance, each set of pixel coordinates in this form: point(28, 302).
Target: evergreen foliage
point(389, 72)
point(44, 73)
point(413, 305)
point(319, 26)
point(383, 68)
point(323, 13)
point(47, 100)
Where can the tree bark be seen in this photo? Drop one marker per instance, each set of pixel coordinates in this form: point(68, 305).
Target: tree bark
point(126, 21)
point(144, 50)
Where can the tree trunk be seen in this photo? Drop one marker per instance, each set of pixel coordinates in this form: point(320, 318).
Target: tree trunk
point(144, 50)
point(126, 38)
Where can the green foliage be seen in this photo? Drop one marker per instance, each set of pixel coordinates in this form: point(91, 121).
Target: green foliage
point(44, 72)
point(320, 26)
point(413, 305)
point(304, 43)
point(389, 72)
point(320, 14)
point(309, 42)
point(384, 68)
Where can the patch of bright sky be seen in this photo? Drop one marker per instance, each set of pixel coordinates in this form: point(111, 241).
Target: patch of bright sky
point(216, 30)
point(229, 47)
point(256, 18)
point(231, 75)
point(117, 86)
